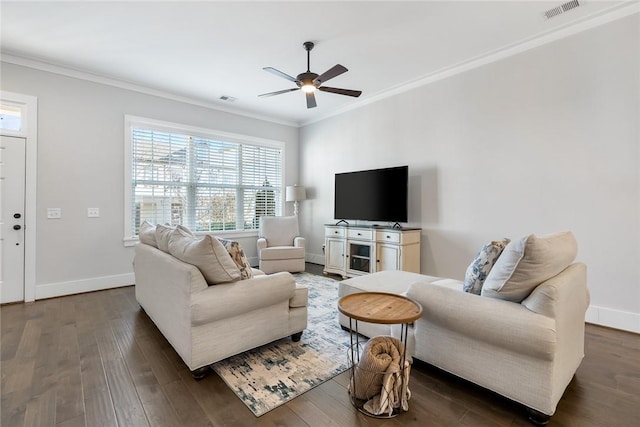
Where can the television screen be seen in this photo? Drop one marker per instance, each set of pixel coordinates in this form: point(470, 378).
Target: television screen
point(372, 195)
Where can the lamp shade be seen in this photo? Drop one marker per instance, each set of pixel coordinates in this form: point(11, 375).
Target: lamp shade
point(295, 193)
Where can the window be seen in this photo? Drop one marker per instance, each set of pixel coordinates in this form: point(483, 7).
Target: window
point(10, 117)
point(205, 180)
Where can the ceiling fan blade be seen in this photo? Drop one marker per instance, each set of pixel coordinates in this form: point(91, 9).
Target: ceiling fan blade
point(348, 92)
point(332, 72)
point(280, 73)
point(311, 100)
point(280, 92)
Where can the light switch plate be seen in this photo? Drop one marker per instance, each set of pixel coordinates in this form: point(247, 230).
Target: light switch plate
point(54, 213)
point(93, 212)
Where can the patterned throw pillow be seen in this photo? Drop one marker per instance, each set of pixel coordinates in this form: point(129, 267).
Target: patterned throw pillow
point(479, 269)
point(237, 255)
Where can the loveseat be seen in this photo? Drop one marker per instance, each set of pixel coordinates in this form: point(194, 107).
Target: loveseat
point(206, 322)
point(527, 351)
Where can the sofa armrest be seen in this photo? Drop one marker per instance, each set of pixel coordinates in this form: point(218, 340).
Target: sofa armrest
point(502, 323)
point(299, 242)
point(233, 299)
point(262, 244)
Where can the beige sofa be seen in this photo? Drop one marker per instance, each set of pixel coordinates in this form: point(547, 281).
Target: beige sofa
point(526, 351)
point(207, 323)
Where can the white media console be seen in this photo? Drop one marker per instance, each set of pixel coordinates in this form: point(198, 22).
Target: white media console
point(356, 250)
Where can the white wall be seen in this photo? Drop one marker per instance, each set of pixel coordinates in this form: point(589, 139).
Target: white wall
point(542, 141)
point(81, 165)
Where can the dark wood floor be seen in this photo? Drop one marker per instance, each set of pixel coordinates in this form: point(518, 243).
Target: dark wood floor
point(96, 360)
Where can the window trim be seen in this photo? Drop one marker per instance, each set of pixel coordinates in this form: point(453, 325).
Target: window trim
point(135, 121)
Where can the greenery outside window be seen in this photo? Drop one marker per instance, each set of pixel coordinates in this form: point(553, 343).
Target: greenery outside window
point(206, 180)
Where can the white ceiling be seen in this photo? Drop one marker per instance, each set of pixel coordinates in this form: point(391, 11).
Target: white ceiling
point(204, 50)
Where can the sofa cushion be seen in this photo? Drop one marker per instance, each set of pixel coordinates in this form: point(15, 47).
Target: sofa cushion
point(479, 269)
point(527, 262)
point(206, 253)
point(239, 258)
point(147, 234)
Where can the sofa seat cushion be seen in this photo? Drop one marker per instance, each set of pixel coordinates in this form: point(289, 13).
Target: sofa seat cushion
point(206, 253)
point(503, 324)
point(281, 252)
point(228, 300)
point(300, 297)
point(527, 262)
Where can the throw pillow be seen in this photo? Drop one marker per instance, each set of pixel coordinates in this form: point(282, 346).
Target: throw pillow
point(207, 253)
point(479, 269)
point(147, 234)
point(237, 255)
point(527, 262)
point(164, 231)
point(162, 236)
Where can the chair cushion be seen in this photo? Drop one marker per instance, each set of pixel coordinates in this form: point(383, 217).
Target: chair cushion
point(527, 262)
point(481, 266)
point(207, 253)
point(279, 230)
point(281, 252)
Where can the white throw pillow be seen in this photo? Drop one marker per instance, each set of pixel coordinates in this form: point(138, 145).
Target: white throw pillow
point(527, 262)
point(147, 234)
point(207, 253)
point(162, 236)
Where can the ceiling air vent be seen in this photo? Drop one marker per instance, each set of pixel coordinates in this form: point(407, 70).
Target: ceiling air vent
point(551, 13)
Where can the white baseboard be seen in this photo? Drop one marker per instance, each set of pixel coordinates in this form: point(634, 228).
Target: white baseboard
point(314, 258)
point(51, 290)
point(611, 318)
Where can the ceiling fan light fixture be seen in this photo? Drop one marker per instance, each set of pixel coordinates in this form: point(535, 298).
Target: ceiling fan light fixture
point(308, 88)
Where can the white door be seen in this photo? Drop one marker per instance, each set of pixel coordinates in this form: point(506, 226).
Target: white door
point(12, 187)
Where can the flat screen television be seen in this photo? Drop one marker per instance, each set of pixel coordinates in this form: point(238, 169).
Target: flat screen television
point(372, 195)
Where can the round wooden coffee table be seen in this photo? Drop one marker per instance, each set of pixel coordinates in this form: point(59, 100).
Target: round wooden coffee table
point(376, 307)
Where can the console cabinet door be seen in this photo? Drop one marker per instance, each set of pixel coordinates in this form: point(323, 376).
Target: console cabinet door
point(387, 257)
point(334, 256)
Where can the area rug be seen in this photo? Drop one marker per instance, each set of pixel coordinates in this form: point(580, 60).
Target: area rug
point(269, 376)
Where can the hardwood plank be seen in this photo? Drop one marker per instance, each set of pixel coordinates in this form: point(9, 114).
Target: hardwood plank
point(69, 397)
point(98, 405)
point(187, 409)
point(41, 410)
point(127, 404)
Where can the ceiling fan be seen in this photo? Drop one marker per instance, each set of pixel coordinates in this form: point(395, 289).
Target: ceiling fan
point(310, 82)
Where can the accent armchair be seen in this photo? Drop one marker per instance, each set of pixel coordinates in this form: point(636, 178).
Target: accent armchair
point(280, 247)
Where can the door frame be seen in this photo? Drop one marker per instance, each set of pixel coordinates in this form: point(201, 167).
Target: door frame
point(29, 131)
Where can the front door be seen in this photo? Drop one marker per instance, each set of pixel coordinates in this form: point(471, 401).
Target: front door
point(12, 188)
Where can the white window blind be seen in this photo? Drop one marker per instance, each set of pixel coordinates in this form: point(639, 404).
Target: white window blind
point(202, 183)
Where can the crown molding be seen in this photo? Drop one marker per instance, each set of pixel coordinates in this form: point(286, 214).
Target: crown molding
point(590, 21)
point(16, 59)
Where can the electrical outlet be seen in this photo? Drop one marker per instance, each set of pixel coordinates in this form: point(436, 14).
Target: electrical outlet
point(93, 212)
point(54, 213)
